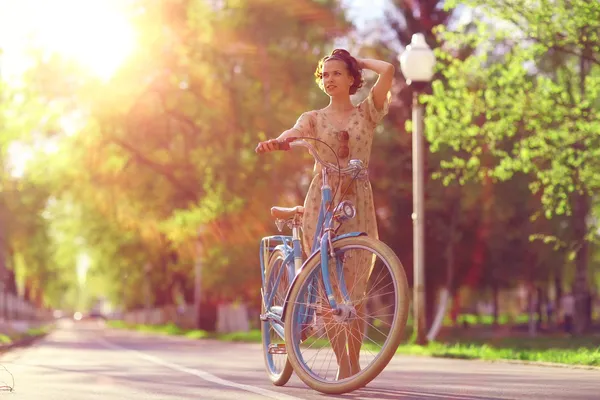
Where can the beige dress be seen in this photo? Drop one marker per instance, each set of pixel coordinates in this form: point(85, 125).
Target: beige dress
point(360, 127)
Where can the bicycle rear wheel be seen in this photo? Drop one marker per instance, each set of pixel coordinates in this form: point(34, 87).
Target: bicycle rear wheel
point(337, 354)
point(278, 366)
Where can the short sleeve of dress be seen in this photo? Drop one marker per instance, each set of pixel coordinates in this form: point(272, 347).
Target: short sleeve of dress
point(306, 125)
point(372, 113)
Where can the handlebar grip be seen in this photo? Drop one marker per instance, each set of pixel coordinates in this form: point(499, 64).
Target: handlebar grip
point(279, 144)
point(285, 144)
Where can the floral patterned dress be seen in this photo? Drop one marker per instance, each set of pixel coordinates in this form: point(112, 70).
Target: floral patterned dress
point(360, 126)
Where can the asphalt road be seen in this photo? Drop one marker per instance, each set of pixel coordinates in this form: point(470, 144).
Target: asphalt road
point(88, 361)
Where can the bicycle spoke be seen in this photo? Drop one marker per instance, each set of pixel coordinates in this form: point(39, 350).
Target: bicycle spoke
point(351, 345)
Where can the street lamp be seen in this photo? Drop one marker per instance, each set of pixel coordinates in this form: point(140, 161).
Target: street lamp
point(417, 63)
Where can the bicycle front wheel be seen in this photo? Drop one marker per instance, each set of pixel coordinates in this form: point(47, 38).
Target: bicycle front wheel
point(336, 352)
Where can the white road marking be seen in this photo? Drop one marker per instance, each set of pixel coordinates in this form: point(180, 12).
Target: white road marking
point(440, 396)
point(201, 374)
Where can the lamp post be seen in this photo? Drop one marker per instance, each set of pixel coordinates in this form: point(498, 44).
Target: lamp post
point(417, 63)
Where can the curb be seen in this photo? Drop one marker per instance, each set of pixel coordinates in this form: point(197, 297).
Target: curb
point(508, 361)
point(545, 364)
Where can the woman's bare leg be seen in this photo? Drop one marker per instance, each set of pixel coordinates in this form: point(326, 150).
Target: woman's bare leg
point(336, 334)
point(355, 340)
point(358, 277)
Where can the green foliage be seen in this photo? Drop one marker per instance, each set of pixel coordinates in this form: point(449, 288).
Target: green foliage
point(160, 172)
point(26, 241)
point(508, 114)
point(164, 149)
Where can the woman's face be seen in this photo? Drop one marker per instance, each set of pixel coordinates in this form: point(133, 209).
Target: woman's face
point(336, 79)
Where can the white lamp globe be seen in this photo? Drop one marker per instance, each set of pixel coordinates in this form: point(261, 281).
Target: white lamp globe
point(417, 61)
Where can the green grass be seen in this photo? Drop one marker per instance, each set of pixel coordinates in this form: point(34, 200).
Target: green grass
point(197, 334)
point(172, 329)
point(473, 319)
point(5, 339)
point(482, 320)
point(39, 331)
point(574, 356)
point(583, 350)
point(253, 336)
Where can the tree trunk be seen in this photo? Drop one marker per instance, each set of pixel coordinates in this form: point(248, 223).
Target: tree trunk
point(581, 209)
point(559, 293)
point(539, 304)
point(531, 299)
point(431, 300)
point(581, 284)
point(435, 322)
point(495, 304)
point(3, 241)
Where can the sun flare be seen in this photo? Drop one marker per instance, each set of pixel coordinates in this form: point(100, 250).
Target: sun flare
point(94, 33)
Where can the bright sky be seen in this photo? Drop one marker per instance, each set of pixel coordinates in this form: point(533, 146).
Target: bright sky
point(361, 12)
point(92, 33)
point(368, 18)
point(83, 265)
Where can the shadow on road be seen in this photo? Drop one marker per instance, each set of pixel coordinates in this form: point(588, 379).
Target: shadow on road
point(395, 394)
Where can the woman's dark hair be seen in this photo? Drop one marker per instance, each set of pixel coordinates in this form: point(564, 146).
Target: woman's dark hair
point(351, 65)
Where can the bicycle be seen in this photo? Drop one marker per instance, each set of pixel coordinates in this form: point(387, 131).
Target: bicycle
point(308, 306)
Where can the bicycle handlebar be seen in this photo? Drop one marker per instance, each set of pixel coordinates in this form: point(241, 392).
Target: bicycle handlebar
point(355, 167)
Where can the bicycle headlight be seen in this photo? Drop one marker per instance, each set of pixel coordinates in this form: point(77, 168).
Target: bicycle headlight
point(345, 210)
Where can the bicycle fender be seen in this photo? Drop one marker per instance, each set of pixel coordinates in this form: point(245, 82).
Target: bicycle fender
point(313, 255)
point(284, 249)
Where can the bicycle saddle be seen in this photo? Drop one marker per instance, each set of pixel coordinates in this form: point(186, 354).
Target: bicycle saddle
point(286, 212)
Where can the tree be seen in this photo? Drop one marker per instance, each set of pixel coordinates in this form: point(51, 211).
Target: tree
point(501, 106)
point(167, 144)
point(450, 210)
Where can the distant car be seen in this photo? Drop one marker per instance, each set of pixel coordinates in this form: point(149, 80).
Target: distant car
point(90, 316)
point(95, 315)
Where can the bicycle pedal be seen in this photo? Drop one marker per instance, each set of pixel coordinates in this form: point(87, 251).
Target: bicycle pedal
point(278, 348)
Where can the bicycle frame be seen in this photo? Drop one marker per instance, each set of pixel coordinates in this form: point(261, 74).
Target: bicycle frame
point(322, 243)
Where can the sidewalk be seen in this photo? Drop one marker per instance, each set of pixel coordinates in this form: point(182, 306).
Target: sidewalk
point(21, 332)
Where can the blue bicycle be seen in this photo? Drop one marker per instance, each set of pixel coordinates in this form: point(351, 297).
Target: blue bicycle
point(337, 317)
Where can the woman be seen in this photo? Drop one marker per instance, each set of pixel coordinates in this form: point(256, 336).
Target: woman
point(348, 129)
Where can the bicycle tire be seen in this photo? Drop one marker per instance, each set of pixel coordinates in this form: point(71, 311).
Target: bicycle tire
point(277, 377)
point(400, 316)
